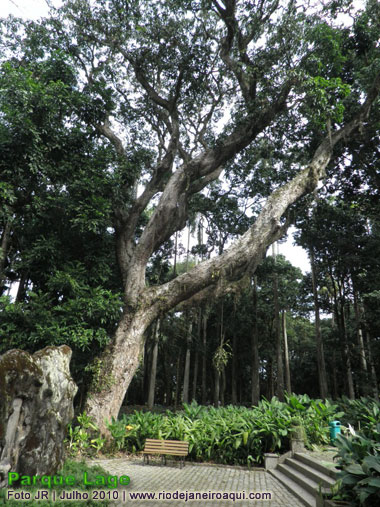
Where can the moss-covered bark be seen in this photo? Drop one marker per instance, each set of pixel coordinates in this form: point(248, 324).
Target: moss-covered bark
point(36, 393)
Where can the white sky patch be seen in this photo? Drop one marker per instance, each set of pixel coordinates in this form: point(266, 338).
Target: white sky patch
point(296, 255)
point(26, 9)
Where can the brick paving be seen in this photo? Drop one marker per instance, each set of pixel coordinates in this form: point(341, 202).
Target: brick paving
point(196, 478)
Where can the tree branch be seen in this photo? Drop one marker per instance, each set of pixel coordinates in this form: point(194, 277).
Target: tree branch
point(200, 184)
point(106, 131)
point(245, 254)
point(152, 94)
point(171, 212)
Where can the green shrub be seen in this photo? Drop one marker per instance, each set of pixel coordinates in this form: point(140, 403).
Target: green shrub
point(84, 437)
point(228, 435)
point(359, 459)
point(363, 414)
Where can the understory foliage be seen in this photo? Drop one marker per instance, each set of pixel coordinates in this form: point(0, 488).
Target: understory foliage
point(358, 453)
point(359, 458)
point(232, 435)
point(362, 414)
point(228, 435)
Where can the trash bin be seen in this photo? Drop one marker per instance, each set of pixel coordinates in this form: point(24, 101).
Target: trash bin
point(334, 430)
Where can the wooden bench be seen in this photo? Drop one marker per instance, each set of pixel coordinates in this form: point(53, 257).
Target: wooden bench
point(165, 448)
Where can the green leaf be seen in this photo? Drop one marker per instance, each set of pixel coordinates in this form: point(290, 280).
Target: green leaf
point(372, 462)
point(350, 480)
point(237, 443)
point(374, 481)
point(355, 469)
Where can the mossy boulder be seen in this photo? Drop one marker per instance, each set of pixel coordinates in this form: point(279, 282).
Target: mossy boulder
point(36, 404)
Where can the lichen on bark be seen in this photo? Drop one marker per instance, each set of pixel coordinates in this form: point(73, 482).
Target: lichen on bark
point(36, 393)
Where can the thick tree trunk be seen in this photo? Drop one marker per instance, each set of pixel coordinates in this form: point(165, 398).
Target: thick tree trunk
point(217, 388)
point(175, 254)
point(222, 387)
point(218, 367)
point(153, 370)
point(334, 376)
point(234, 361)
point(195, 376)
point(278, 335)
point(234, 371)
point(347, 355)
point(359, 335)
point(375, 388)
point(4, 247)
point(145, 366)
point(339, 303)
point(186, 377)
point(270, 385)
point(168, 380)
point(177, 385)
point(288, 384)
point(204, 357)
point(116, 368)
point(255, 375)
point(196, 358)
point(322, 376)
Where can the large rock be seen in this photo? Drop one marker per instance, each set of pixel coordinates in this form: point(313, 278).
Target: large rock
point(36, 404)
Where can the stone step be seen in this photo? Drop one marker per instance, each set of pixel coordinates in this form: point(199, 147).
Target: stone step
point(305, 477)
point(321, 478)
point(331, 471)
point(304, 496)
point(304, 482)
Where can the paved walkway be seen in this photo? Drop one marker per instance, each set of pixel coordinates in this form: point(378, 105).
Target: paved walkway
point(220, 486)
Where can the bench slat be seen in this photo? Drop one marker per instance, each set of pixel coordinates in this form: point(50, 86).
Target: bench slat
point(172, 447)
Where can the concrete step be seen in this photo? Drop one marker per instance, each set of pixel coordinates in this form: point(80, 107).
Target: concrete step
point(329, 469)
point(321, 478)
point(304, 496)
point(305, 477)
point(304, 482)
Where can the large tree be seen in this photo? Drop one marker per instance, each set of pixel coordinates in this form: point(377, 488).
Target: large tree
point(53, 215)
point(182, 90)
